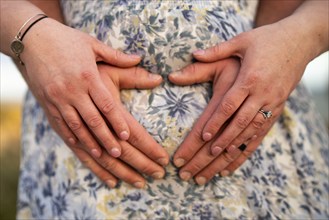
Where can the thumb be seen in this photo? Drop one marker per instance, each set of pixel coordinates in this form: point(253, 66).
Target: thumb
point(226, 49)
point(137, 78)
point(114, 57)
point(196, 73)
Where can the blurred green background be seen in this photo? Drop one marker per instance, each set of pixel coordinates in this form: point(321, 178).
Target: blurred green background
point(9, 158)
point(12, 92)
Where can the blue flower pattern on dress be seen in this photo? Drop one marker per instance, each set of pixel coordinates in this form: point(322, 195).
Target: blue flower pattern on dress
point(286, 178)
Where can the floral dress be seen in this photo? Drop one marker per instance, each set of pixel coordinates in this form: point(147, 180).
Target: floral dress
point(286, 177)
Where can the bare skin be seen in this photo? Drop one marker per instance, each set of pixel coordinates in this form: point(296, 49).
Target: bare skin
point(273, 58)
point(78, 100)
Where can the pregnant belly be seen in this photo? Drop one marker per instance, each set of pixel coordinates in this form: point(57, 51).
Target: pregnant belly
point(167, 112)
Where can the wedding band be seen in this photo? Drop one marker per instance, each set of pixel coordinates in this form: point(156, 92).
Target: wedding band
point(266, 114)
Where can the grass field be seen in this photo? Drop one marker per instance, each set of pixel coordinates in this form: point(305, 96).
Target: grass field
point(9, 158)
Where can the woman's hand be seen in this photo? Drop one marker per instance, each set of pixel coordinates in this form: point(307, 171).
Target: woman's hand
point(82, 103)
point(61, 72)
point(271, 66)
point(194, 153)
point(140, 154)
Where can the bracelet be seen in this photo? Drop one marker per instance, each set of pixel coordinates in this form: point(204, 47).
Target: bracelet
point(17, 45)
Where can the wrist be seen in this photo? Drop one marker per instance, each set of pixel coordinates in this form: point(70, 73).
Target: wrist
point(17, 45)
point(39, 39)
point(308, 28)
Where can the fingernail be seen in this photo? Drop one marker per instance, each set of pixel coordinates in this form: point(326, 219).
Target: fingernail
point(96, 153)
point(225, 173)
point(254, 137)
point(124, 135)
point(199, 52)
point(176, 73)
point(72, 141)
point(110, 183)
point(201, 180)
point(153, 76)
point(185, 175)
point(216, 151)
point(179, 162)
point(162, 161)
point(139, 185)
point(115, 152)
point(134, 56)
point(231, 149)
point(206, 136)
point(158, 175)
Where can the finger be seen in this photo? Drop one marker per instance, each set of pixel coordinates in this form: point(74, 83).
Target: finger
point(121, 170)
point(104, 100)
point(232, 47)
point(256, 126)
point(240, 121)
point(222, 161)
point(115, 57)
point(78, 128)
point(59, 125)
point(253, 144)
point(142, 140)
point(139, 138)
point(98, 126)
point(228, 105)
point(195, 140)
point(200, 160)
point(250, 149)
point(137, 78)
point(99, 171)
point(140, 161)
point(194, 73)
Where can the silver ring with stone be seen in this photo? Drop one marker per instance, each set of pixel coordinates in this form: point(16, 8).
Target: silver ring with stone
point(266, 114)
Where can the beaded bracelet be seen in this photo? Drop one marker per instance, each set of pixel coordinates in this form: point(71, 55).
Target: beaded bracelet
point(17, 45)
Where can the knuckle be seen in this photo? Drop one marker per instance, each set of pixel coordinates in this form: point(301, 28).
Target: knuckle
point(252, 78)
point(70, 88)
point(57, 119)
point(227, 158)
point(213, 127)
point(227, 107)
point(257, 124)
point(110, 164)
point(135, 138)
point(74, 125)
point(242, 122)
point(95, 121)
point(87, 76)
point(107, 106)
point(52, 90)
point(196, 166)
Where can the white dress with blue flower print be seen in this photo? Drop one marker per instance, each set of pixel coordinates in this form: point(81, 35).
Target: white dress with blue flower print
point(286, 178)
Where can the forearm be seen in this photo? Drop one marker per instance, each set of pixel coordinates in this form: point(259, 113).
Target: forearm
point(50, 8)
point(308, 27)
point(15, 13)
point(270, 11)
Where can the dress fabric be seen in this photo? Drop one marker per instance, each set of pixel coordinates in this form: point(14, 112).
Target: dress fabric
point(285, 178)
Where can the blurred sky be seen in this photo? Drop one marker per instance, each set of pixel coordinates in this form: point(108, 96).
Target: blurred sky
point(316, 78)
